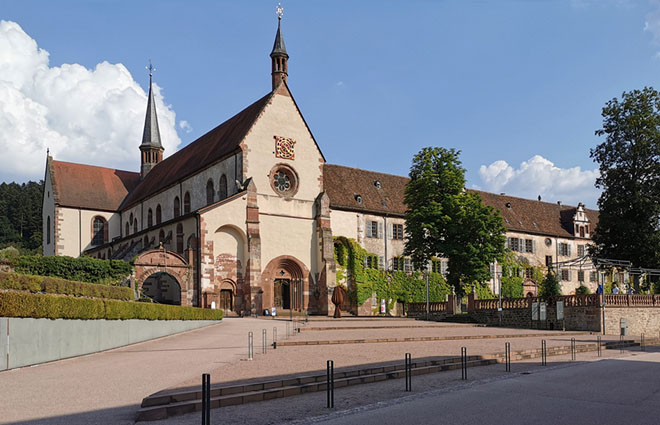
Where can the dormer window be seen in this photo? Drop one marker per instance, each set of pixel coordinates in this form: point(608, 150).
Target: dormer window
point(377, 184)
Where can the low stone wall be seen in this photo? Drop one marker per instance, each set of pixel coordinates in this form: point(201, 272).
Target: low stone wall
point(25, 341)
point(641, 320)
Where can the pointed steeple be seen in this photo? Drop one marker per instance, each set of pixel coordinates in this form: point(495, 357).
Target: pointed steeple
point(279, 56)
point(151, 147)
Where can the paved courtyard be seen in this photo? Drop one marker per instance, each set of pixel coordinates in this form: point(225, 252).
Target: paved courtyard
point(108, 387)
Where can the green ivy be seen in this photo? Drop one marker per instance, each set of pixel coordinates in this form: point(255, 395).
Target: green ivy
point(390, 285)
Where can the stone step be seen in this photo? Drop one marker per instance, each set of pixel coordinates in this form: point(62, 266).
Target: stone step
point(173, 403)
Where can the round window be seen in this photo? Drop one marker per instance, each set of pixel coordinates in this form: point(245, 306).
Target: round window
point(283, 180)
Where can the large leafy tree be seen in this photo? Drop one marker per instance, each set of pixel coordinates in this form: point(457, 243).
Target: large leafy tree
point(629, 160)
point(444, 220)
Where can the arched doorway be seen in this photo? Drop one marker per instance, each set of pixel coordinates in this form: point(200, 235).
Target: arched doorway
point(285, 284)
point(227, 292)
point(163, 288)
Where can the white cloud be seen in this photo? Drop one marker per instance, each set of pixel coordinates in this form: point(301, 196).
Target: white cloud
point(652, 21)
point(185, 126)
point(539, 176)
point(93, 116)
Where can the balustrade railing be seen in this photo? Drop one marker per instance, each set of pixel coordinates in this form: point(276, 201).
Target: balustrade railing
point(434, 307)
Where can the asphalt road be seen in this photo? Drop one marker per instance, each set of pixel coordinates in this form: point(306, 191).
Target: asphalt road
point(615, 391)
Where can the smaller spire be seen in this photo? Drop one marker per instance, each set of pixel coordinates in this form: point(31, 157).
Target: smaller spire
point(278, 46)
point(279, 56)
point(151, 148)
point(151, 133)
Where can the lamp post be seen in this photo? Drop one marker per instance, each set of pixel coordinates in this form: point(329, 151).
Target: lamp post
point(495, 271)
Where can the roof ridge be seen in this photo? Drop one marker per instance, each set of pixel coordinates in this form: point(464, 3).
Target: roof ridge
point(564, 206)
point(94, 166)
point(368, 171)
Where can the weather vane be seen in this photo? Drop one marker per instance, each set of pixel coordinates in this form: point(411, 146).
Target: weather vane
point(280, 11)
point(150, 68)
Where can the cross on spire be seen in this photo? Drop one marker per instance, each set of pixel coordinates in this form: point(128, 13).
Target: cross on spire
point(279, 10)
point(150, 68)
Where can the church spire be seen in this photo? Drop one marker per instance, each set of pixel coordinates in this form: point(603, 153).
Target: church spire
point(279, 57)
point(151, 147)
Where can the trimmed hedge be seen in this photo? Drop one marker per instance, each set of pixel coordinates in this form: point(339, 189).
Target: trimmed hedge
point(17, 304)
point(84, 269)
point(52, 285)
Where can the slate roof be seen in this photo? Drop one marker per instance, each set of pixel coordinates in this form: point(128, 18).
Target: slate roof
point(213, 146)
point(344, 184)
point(151, 133)
point(90, 187)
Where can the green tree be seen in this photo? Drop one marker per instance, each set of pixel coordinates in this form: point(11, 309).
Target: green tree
point(550, 286)
point(629, 162)
point(444, 220)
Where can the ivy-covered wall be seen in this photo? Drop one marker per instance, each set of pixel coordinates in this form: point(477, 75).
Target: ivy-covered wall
point(390, 285)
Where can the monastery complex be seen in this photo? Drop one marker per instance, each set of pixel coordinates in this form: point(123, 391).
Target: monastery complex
point(243, 218)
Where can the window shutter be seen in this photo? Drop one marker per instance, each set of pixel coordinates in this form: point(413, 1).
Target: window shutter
point(569, 250)
point(521, 245)
point(508, 243)
point(390, 231)
point(369, 234)
point(381, 263)
point(570, 275)
point(366, 262)
point(380, 230)
point(533, 246)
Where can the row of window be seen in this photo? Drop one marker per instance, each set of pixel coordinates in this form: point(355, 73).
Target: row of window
point(210, 199)
point(529, 246)
point(403, 264)
point(375, 230)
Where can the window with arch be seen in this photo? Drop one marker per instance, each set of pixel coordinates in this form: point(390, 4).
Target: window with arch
point(48, 230)
point(177, 206)
point(186, 203)
point(99, 231)
point(179, 238)
point(222, 189)
point(128, 229)
point(130, 220)
point(145, 244)
point(159, 215)
point(150, 218)
point(161, 237)
point(210, 192)
point(135, 226)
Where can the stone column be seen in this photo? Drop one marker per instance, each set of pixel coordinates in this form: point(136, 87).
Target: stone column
point(328, 278)
point(253, 303)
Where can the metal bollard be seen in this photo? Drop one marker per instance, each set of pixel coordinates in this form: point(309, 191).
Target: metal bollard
point(463, 363)
point(507, 356)
point(642, 345)
point(274, 338)
point(206, 399)
point(620, 344)
point(544, 353)
point(572, 349)
point(408, 372)
point(330, 383)
point(599, 347)
point(250, 346)
point(264, 341)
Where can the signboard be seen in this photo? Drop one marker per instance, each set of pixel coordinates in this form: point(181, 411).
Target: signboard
point(212, 305)
point(535, 311)
point(382, 305)
point(273, 311)
point(560, 310)
point(542, 311)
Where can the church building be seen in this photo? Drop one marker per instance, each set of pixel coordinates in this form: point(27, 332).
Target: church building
point(243, 218)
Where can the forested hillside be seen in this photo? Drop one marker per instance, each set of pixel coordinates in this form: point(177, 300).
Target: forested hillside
point(20, 215)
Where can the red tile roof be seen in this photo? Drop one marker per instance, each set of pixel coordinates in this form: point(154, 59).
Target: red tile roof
point(344, 184)
point(90, 187)
point(222, 141)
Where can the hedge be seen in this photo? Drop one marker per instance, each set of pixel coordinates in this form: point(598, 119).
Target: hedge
point(84, 269)
point(17, 304)
point(52, 285)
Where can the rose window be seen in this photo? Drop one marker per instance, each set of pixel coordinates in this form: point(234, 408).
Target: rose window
point(281, 181)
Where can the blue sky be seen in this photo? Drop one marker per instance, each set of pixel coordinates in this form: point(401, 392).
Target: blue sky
point(517, 86)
